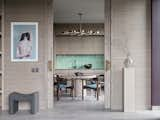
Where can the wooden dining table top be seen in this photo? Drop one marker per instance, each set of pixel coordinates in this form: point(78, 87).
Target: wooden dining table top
point(81, 77)
point(85, 77)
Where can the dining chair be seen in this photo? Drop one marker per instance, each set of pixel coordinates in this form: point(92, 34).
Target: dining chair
point(94, 84)
point(61, 84)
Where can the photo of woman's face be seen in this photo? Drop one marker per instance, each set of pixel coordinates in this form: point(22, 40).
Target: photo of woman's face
point(24, 46)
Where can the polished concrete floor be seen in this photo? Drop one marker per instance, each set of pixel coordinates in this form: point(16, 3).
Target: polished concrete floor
point(68, 109)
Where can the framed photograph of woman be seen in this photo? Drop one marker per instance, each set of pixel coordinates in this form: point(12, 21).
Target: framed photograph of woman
point(24, 41)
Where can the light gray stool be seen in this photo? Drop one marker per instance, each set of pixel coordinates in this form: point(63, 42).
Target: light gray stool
point(15, 98)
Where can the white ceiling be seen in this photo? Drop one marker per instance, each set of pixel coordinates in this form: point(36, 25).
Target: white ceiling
point(65, 11)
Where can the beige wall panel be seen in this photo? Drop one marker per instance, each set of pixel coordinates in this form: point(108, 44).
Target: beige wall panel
point(131, 27)
point(77, 45)
point(130, 21)
point(18, 76)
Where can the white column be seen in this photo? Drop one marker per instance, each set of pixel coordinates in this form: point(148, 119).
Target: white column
point(129, 89)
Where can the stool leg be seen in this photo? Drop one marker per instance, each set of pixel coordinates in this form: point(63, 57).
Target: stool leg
point(34, 102)
point(11, 106)
point(32, 105)
point(16, 106)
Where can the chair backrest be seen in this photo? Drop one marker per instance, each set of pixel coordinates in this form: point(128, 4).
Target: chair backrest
point(61, 80)
point(78, 73)
point(101, 78)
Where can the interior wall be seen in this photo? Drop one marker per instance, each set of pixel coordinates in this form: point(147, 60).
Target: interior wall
point(130, 21)
point(131, 28)
point(79, 45)
point(18, 76)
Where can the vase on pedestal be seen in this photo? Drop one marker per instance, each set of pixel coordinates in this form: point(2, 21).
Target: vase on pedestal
point(128, 62)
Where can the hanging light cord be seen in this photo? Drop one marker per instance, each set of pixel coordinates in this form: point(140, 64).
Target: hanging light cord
point(80, 29)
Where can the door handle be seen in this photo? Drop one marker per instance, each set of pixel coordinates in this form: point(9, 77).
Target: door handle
point(108, 65)
point(50, 65)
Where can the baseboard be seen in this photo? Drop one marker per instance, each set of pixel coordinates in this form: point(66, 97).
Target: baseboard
point(156, 108)
point(116, 110)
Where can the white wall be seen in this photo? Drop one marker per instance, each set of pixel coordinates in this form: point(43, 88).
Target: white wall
point(131, 22)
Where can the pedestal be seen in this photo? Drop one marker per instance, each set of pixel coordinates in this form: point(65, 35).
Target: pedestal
point(129, 89)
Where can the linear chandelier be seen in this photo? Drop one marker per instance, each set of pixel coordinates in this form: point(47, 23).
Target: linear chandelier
point(81, 31)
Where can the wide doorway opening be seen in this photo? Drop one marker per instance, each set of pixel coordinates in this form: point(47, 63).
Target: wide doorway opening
point(79, 54)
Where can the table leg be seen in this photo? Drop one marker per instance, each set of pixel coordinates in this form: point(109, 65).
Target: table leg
point(75, 87)
point(58, 91)
point(82, 90)
point(72, 88)
point(97, 83)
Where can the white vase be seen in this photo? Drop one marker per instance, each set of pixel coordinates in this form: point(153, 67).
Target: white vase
point(128, 62)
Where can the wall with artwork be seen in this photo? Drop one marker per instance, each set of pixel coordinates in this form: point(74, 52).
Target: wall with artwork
point(28, 22)
point(24, 41)
point(124, 27)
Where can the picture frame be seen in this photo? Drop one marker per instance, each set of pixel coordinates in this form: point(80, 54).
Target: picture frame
point(24, 41)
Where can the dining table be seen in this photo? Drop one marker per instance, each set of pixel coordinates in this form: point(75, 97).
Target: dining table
point(82, 79)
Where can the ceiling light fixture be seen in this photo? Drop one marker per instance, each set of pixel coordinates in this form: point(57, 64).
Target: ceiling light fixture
point(81, 31)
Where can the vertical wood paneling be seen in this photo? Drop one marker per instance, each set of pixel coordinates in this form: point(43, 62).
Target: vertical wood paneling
point(18, 76)
point(131, 27)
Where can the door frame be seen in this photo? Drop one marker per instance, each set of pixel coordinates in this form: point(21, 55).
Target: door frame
point(49, 20)
point(107, 54)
